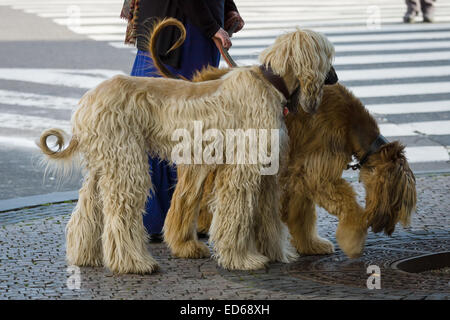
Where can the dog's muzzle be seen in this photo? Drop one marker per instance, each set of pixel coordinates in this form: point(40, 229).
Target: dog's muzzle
point(332, 77)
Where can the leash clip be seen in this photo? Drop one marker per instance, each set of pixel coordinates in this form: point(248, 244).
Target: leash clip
point(354, 167)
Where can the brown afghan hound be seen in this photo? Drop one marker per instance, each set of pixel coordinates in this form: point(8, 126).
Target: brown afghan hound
point(321, 147)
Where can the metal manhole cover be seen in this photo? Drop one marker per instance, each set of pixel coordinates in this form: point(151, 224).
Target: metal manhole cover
point(425, 263)
point(338, 269)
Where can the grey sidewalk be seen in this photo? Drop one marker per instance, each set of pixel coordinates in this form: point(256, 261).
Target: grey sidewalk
point(32, 262)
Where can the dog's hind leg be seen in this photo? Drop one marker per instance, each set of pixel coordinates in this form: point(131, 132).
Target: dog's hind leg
point(271, 233)
point(339, 199)
point(180, 227)
point(124, 186)
point(233, 226)
point(84, 230)
point(299, 213)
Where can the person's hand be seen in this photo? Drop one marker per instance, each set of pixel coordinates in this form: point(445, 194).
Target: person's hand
point(232, 18)
point(222, 35)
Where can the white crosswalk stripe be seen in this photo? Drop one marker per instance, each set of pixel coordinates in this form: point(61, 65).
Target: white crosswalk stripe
point(37, 100)
point(410, 107)
point(33, 123)
point(400, 71)
point(85, 79)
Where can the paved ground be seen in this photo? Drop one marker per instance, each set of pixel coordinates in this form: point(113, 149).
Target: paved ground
point(32, 262)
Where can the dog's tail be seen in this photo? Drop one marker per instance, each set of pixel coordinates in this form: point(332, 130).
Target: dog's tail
point(154, 36)
point(59, 153)
point(207, 73)
point(60, 160)
point(390, 188)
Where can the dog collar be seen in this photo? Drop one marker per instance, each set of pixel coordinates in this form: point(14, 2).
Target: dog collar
point(374, 147)
point(291, 104)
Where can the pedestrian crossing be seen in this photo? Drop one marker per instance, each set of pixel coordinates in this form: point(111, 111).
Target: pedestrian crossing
point(400, 71)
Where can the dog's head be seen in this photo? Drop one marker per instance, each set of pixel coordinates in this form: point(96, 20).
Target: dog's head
point(308, 56)
point(390, 188)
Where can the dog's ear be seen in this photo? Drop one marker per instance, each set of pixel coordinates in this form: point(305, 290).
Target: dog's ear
point(311, 92)
point(307, 55)
point(313, 55)
point(390, 189)
point(311, 67)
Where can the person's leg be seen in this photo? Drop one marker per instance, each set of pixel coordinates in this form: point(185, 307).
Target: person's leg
point(158, 203)
point(412, 10)
point(427, 10)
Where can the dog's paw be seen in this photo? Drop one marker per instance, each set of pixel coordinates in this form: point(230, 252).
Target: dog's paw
point(251, 261)
point(286, 253)
point(191, 250)
point(315, 246)
point(289, 255)
point(83, 256)
point(84, 261)
point(143, 265)
point(351, 240)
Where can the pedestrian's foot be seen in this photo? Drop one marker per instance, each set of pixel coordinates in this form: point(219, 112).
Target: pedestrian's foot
point(428, 19)
point(408, 19)
point(156, 238)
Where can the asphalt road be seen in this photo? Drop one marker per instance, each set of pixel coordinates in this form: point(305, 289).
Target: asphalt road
point(28, 41)
point(48, 61)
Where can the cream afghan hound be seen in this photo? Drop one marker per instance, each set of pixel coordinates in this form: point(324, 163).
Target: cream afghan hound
point(124, 119)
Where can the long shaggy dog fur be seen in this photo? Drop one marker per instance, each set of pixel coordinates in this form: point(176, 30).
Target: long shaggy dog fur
point(124, 119)
point(321, 146)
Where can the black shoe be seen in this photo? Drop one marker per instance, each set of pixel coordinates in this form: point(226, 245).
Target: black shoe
point(427, 19)
point(156, 238)
point(408, 19)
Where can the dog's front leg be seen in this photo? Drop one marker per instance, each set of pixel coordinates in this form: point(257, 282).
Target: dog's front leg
point(339, 199)
point(180, 226)
point(299, 213)
point(233, 225)
point(271, 233)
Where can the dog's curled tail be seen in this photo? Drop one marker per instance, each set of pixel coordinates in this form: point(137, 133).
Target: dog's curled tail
point(62, 160)
point(59, 153)
point(154, 36)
